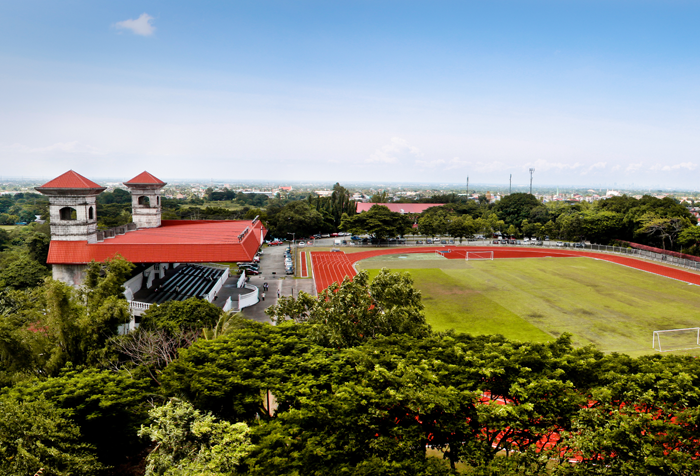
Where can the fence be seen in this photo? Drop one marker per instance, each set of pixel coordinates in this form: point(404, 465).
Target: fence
point(217, 287)
point(646, 254)
point(245, 300)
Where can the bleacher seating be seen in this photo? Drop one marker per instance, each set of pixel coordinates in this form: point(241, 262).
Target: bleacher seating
point(192, 280)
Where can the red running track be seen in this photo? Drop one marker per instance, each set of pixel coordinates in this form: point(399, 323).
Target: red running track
point(302, 264)
point(330, 267)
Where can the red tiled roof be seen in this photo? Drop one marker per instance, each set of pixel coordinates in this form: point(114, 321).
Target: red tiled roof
point(176, 241)
point(399, 207)
point(145, 178)
point(71, 179)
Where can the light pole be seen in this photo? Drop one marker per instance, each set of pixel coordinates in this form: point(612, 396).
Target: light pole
point(531, 172)
point(293, 241)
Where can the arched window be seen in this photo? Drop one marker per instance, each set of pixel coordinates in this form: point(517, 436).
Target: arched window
point(144, 201)
point(91, 214)
point(68, 213)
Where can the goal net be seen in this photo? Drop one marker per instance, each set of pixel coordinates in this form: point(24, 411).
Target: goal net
point(479, 255)
point(676, 339)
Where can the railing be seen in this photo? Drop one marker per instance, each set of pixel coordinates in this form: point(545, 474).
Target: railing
point(682, 262)
point(137, 308)
point(117, 230)
point(228, 306)
point(245, 300)
point(219, 284)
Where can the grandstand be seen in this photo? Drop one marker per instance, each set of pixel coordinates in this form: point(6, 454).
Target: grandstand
point(190, 280)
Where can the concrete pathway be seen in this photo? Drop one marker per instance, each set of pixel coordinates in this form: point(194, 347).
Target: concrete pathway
point(273, 273)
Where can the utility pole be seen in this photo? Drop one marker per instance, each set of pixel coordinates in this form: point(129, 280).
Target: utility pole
point(531, 172)
point(467, 187)
point(510, 186)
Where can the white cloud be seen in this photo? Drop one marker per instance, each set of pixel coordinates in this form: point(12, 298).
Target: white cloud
point(671, 168)
point(545, 165)
point(634, 167)
point(141, 26)
point(597, 165)
point(616, 168)
point(393, 152)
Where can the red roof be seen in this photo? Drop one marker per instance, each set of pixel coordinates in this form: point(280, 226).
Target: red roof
point(175, 241)
point(71, 179)
point(145, 178)
point(399, 207)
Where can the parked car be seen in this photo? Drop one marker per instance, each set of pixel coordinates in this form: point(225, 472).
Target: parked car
point(452, 242)
point(560, 243)
point(254, 272)
point(419, 242)
point(429, 241)
point(290, 270)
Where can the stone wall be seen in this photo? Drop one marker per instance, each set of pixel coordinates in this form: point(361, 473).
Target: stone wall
point(72, 274)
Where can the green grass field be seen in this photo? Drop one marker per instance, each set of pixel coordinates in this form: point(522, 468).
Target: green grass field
point(601, 303)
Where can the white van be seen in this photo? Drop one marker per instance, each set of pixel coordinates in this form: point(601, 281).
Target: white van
point(337, 242)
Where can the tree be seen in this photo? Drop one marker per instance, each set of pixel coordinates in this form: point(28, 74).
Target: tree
point(109, 407)
point(296, 217)
point(344, 315)
point(379, 222)
point(461, 227)
point(192, 313)
point(516, 207)
point(20, 271)
point(38, 438)
point(189, 442)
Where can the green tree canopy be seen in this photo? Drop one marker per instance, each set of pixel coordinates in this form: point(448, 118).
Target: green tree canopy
point(379, 222)
point(516, 207)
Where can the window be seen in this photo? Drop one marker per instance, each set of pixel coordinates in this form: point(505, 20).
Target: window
point(158, 201)
point(91, 214)
point(144, 201)
point(68, 213)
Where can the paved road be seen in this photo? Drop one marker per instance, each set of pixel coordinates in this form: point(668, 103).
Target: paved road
point(273, 273)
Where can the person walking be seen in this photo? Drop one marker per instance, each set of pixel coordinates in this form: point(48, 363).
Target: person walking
point(263, 295)
point(278, 293)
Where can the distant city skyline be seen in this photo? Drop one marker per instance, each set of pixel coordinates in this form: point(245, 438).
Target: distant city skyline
point(589, 93)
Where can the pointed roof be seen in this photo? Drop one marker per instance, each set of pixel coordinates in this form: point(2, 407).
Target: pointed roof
point(145, 178)
point(71, 179)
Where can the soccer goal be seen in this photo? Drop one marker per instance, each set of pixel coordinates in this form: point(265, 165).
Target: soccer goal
point(479, 255)
point(441, 254)
point(676, 339)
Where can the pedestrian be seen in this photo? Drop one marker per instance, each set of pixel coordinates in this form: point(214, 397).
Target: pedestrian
point(278, 293)
point(177, 290)
point(263, 295)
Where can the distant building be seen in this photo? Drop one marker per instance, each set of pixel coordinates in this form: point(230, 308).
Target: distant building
point(402, 208)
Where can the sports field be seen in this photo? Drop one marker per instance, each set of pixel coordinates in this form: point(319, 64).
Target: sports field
point(614, 307)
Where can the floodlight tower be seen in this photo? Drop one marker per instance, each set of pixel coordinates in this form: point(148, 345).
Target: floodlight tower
point(531, 172)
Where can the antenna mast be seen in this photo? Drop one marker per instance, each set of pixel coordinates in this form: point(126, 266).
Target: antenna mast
point(531, 172)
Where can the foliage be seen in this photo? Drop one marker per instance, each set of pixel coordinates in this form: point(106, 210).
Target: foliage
point(227, 376)
point(109, 407)
point(20, 271)
point(346, 314)
point(153, 349)
point(192, 313)
point(296, 217)
point(37, 437)
point(191, 443)
point(379, 222)
point(516, 207)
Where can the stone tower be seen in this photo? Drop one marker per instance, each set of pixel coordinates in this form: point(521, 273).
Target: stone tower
point(72, 207)
point(145, 200)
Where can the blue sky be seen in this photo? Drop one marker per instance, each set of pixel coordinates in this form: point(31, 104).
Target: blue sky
point(588, 93)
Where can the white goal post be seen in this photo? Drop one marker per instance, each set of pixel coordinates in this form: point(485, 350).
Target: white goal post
point(479, 255)
point(676, 339)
